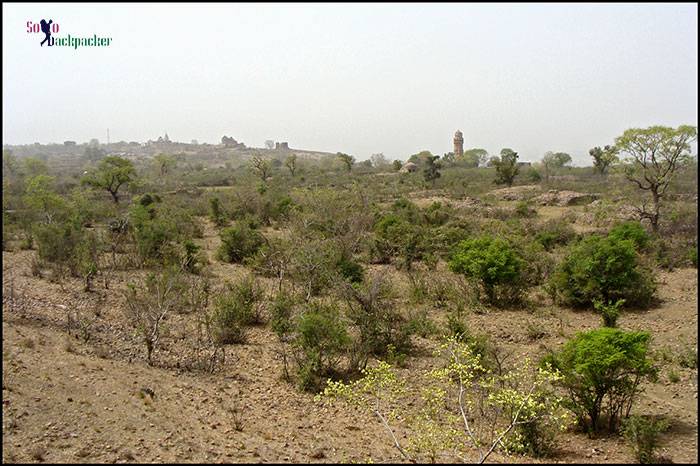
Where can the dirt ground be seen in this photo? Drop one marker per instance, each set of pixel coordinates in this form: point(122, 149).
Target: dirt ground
point(66, 400)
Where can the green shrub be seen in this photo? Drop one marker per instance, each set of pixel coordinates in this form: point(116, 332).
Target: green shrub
point(216, 212)
point(688, 357)
point(602, 371)
point(420, 324)
point(673, 376)
point(643, 435)
point(553, 233)
point(524, 210)
point(397, 237)
point(321, 341)
point(152, 233)
point(693, 256)
point(238, 306)
point(57, 242)
point(193, 259)
point(605, 269)
point(379, 324)
point(494, 264)
point(437, 214)
point(239, 242)
point(350, 270)
point(281, 314)
point(609, 312)
point(633, 231)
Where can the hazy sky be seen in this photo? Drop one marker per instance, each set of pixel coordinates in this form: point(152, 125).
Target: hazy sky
point(356, 78)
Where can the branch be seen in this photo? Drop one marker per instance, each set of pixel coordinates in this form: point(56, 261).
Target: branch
point(391, 432)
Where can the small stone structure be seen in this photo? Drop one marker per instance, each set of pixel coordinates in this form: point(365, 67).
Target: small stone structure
point(281, 146)
point(408, 167)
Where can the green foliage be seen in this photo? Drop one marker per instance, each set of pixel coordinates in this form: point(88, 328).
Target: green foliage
point(506, 167)
point(523, 209)
point(642, 433)
point(321, 341)
point(216, 212)
point(291, 163)
point(235, 308)
point(350, 270)
point(399, 237)
point(475, 157)
point(431, 172)
point(602, 370)
point(654, 155)
point(603, 158)
point(239, 242)
point(281, 314)
point(494, 264)
point(633, 231)
point(602, 268)
point(347, 160)
point(609, 312)
point(693, 256)
point(193, 259)
point(688, 357)
point(152, 233)
point(553, 233)
point(514, 409)
point(112, 172)
point(380, 325)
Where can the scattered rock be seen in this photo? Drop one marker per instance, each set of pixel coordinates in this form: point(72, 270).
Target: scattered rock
point(564, 198)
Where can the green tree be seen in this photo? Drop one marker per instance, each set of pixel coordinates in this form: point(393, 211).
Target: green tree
point(603, 158)
point(379, 160)
point(291, 163)
point(347, 159)
point(475, 157)
point(602, 371)
point(506, 167)
point(554, 160)
point(112, 173)
point(165, 163)
point(9, 163)
point(34, 166)
point(653, 156)
point(396, 165)
point(43, 200)
point(431, 172)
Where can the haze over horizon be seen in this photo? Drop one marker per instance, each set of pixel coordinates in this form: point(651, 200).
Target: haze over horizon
point(355, 78)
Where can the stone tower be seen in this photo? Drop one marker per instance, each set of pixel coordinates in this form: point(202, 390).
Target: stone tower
point(459, 145)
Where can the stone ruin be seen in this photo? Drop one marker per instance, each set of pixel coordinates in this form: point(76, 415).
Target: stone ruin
point(232, 143)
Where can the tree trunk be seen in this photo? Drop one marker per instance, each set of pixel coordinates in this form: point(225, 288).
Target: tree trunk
point(654, 217)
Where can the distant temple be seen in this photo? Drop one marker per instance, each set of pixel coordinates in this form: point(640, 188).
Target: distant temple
point(281, 146)
point(458, 145)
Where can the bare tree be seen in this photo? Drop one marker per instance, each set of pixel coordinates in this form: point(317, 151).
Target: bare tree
point(291, 163)
point(262, 167)
point(149, 306)
point(654, 155)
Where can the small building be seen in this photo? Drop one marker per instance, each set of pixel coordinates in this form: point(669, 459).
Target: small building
point(408, 167)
